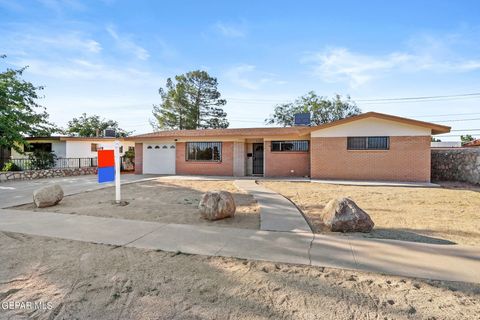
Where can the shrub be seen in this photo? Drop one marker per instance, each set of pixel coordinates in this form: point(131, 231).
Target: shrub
point(130, 156)
point(10, 166)
point(42, 160)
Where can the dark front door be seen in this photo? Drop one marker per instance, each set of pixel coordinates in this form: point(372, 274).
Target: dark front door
point(258, 158)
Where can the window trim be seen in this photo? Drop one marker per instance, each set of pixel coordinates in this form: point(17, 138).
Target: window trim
point(289, 141)
point(366, 143)
point(209, 161)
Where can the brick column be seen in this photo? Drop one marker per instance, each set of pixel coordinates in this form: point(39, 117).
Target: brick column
point(138, 158)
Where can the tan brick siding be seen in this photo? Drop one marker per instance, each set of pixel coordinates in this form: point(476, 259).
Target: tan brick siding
point(281, 164)
point(407, 160)
point(138, 158)
point(223, 168)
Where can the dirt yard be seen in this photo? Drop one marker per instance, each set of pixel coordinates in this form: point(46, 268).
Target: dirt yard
point(83, 280)
point(447, 215)
point(161, 201)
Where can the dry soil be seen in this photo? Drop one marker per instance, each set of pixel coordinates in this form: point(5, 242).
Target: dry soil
point(446, 215)
point(161, 201)
point(90, 281)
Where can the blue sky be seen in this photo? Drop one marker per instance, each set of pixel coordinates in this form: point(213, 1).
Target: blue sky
point(110, 57)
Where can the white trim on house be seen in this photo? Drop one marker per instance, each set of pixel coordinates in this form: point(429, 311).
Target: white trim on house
point(372, 127)
point(239, 157)
point(75, 148)
point(83, 148)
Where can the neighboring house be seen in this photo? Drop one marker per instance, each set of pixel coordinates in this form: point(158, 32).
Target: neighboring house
point(446, 144)
point(72, 147)
point(370, 146)
point(474, 143)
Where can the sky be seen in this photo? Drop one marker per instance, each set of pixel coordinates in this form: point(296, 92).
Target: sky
point(110, 57)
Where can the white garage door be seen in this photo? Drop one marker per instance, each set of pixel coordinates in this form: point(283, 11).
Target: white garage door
point(159, 158)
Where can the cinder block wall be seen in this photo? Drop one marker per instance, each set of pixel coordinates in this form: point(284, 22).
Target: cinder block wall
point(408, 159)
point(223, 168)
point(281, 164)
point(138, 158)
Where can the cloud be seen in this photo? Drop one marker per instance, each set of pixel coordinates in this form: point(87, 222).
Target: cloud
point(46, 42)
point(125, 43)
point(246, 76)
point(422, 54)
point(71, 40)
point(340, 64)
point(230, 30)
point(82, 69)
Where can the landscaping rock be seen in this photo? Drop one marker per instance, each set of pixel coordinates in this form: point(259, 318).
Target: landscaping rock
point(345, 216)
point(216, 205)
point(48, 196)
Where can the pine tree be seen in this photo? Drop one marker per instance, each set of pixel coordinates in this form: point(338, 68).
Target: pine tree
point(193, 102)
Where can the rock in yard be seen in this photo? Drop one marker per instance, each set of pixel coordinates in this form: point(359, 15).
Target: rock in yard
point(48, 196)
point(216, 205)
point(345, 216)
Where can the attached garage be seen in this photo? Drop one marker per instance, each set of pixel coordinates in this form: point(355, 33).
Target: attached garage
point(159, 157)
point(369, 146)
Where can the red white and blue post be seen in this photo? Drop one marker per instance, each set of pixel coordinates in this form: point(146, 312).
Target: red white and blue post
point(109, 168)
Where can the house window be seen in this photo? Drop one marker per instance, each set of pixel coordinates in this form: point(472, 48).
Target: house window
point(38, 146)
point(94, 147)
point(368, 143)
point(121, 149)
point(294, 146)
point(203, 151)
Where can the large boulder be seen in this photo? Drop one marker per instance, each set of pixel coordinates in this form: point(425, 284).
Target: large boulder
point(345, 216)
point(216, 205)
point(48, 196)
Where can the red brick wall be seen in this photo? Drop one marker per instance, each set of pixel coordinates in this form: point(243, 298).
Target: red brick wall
point(407, 160)
point(138, 158)
point(280, 164)
point(223, 168)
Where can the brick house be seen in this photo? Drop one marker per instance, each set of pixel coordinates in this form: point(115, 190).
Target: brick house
point(370, 146)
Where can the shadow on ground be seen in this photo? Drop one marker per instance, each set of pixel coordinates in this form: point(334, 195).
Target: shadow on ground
point(403, 235)
point(383, 233)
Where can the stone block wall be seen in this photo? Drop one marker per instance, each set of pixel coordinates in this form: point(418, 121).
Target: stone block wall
point(461, 164)
point(47, 173)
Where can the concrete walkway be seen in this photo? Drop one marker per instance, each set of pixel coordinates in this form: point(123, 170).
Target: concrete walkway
point(377, 183)
point(442, 262)
point(302, 179)
point(298, 245)
point(276, 212)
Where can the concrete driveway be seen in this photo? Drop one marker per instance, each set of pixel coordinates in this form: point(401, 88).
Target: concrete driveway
point(19, 192)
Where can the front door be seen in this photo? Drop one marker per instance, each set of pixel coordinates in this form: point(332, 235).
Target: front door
point(258, 158)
